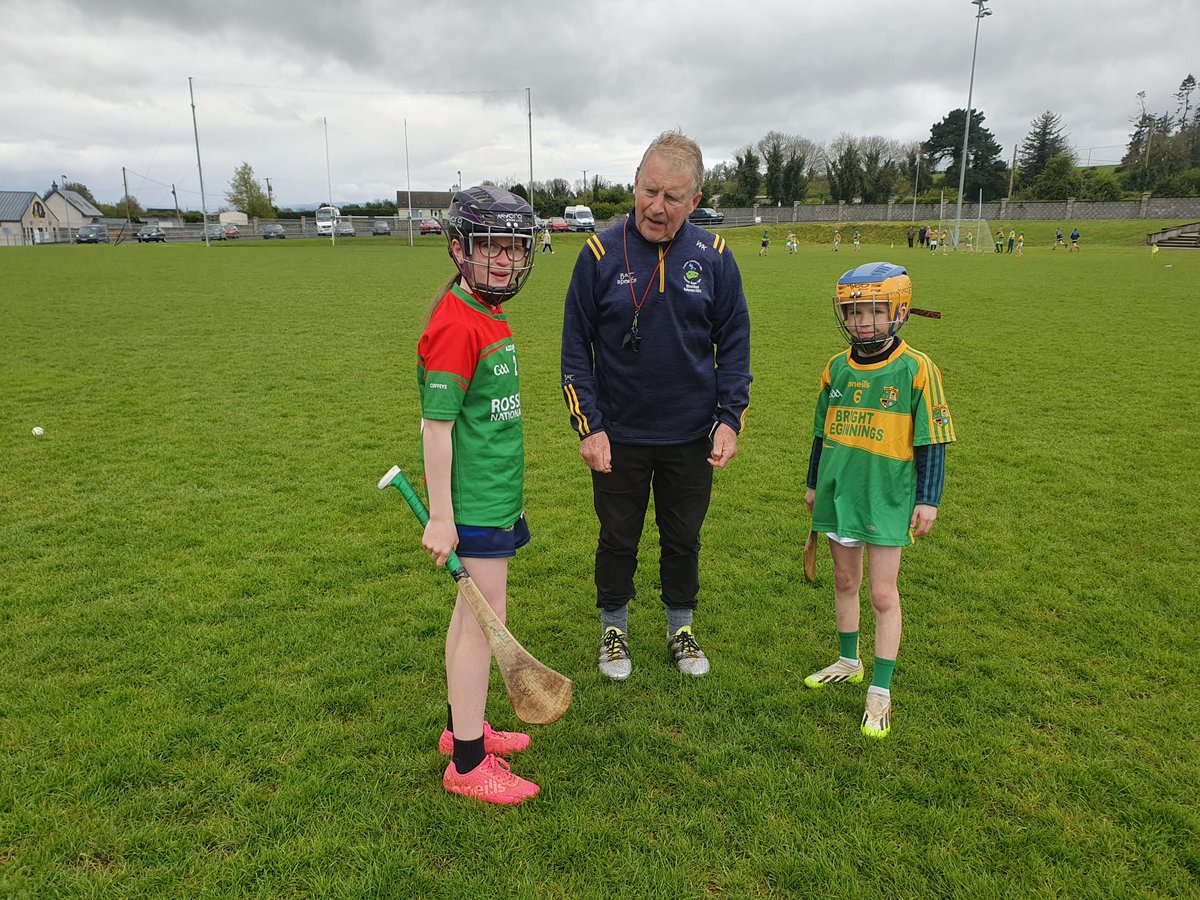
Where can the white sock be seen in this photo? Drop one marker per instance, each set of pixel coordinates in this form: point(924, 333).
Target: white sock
point(849, 662)
point(875, 689)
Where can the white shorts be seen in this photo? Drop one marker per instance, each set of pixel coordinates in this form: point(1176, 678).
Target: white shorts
point(852, 543)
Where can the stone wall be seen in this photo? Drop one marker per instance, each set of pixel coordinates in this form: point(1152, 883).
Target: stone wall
point(1045, 211)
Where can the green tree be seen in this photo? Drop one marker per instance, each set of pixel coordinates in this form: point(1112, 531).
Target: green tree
point(1058, 181)
point(126, 206)
point(79, 188)
point(844, 169)
point(742, 189)
point(1044, 141)
point(246, 195)
point(985, 168)
point(1096, 185)
point(772, 149)
point(880, 170)
point(916, 168)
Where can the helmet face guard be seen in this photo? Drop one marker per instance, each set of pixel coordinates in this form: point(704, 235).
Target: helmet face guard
point(879, 293)
point(476, 216)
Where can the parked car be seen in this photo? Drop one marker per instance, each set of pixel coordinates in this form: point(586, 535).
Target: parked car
point(231, 231)
point(151, 233)
point(381, 226)
point(213, 232)
point(431, 226)
point(705, 215)
point(558, 223)
point(92, 234)
point(274, 230)
point(345, 228)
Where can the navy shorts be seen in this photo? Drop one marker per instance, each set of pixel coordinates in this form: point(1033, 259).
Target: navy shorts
point(482, 541)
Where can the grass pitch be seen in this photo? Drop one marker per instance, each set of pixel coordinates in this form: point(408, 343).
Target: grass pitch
point(222, 646)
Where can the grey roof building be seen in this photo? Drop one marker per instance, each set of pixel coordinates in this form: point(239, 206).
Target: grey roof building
point(425, 204)
point(25, 219)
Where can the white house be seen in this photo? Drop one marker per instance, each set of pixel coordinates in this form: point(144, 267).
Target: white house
point(72, 210)
point(25, 219)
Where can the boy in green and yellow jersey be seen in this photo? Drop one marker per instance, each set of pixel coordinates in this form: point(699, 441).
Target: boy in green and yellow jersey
point(877, 467)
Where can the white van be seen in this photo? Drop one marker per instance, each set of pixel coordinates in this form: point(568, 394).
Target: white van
point(579, 218)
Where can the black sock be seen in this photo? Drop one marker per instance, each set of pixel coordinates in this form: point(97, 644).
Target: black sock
point(449, 719)
point(467, 754)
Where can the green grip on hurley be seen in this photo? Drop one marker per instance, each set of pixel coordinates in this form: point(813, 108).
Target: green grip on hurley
point(395, 478)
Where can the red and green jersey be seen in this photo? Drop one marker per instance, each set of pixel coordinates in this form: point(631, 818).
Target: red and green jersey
point(467, 374)
point(869, 417)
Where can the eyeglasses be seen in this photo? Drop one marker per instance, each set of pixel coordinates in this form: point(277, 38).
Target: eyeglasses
point(517, 251)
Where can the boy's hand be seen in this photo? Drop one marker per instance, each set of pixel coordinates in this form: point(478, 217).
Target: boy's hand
point(809, 496)
point(923, 518)
point(439, 539)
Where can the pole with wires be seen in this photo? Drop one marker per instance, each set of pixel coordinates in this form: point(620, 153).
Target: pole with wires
point(962, 165)
point(199, 167)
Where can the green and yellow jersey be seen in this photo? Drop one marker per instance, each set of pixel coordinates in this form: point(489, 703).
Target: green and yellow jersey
point(869, 417)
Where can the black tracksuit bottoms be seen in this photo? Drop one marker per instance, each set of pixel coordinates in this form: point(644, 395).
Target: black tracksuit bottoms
point(681, 478)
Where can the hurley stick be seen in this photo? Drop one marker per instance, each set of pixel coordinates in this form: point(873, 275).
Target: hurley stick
point(539, 695)
point(810, 558)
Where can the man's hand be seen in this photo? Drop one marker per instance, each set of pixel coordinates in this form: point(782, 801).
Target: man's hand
point(724, 446)
point(923, 518)
point(809, 496)
point(597, 452)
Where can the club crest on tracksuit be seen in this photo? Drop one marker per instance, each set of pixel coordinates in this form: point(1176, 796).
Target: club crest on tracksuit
point(941, 415)
point(889, 398)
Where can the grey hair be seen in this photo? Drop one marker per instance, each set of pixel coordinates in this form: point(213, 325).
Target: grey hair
point(682, 152)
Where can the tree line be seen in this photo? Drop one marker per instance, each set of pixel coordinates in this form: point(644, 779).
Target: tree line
point(1162, 156)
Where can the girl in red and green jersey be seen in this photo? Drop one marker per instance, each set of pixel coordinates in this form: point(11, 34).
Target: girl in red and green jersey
point(474, 465)
point(876, 470)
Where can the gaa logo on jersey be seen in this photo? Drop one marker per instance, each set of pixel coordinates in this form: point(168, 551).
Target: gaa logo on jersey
point(941, 415)
point(889, 398)
point(692, 275)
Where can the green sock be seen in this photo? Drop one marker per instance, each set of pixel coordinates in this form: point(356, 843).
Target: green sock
point(881, 676)
point(848, 644)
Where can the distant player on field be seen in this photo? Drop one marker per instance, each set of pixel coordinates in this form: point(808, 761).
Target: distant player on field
point(1020, 243)
point(876, 471)
point(970, 242)
point(1058, 241)
point(1074, 239)
point(857, 240)
point(766, 242)
point(837, 239)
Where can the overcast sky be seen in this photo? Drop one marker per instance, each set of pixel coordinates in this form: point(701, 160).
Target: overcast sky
point(89, 87)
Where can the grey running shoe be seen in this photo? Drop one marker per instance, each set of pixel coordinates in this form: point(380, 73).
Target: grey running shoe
point(614, 655)
point(688, 656)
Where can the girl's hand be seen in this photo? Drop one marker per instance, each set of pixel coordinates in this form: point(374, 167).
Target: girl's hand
point(809, 496)
point(440, 538)
point(923, 518)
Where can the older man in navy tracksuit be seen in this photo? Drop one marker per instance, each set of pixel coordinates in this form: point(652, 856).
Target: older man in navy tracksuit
point(656, 376)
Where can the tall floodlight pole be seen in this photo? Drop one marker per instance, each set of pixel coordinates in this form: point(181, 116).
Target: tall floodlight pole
point(962, 166)
point(529, 115)
point(199, 168)
point(916, 178)
point(68, 207)
point(408, 176)
point(329, 182)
